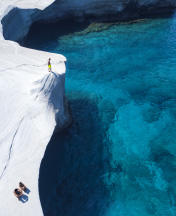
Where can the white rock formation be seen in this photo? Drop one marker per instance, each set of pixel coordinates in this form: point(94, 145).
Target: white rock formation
point(27, 12)
point(32, 100)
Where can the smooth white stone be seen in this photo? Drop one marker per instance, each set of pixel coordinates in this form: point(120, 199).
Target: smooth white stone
point(32, 100)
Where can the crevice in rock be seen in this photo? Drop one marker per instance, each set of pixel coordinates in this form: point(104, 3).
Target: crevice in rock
point(23, 65)
point(10, 150)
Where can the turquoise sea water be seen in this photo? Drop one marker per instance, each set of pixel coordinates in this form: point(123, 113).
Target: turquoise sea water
point(118, 158)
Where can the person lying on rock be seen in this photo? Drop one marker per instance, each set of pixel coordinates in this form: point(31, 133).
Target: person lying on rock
point(23, 187)
point(49, 65)
point(18, 193)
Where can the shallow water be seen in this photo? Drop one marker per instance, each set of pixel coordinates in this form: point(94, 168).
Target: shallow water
point(118, 158)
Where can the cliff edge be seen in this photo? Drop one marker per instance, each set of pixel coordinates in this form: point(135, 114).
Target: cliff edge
point(33, 104)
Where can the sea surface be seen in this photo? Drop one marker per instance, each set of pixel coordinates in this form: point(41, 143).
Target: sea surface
point(118, 157)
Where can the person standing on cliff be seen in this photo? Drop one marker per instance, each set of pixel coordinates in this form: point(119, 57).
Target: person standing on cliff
point(49, 65)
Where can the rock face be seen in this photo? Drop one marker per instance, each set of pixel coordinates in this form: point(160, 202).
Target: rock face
point(118, 8)
point(33, 104)
point(62, 9)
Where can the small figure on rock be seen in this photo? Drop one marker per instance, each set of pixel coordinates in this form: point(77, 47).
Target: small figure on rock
point(23, 187)
point(49, 65)
point(18, 193)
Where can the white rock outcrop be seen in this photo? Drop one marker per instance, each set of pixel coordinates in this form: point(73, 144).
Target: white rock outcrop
point(26, 13)
point(32, 103)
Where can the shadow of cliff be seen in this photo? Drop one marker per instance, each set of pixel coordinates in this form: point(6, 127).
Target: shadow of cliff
point(41, 34)
point(70, 179)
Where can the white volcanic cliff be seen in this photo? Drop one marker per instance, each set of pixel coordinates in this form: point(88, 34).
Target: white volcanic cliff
point(19, 18)
point(32, 100)
point(32, 103)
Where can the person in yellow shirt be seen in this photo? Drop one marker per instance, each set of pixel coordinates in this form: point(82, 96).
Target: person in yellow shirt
point(49, 65)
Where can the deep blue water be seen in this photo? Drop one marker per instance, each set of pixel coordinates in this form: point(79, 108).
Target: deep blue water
point(118, 158)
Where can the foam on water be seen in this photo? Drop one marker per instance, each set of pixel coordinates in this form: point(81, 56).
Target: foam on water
point(119, 155)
